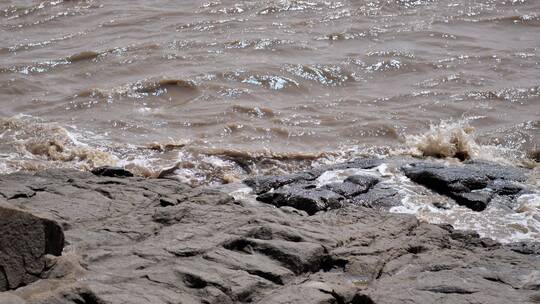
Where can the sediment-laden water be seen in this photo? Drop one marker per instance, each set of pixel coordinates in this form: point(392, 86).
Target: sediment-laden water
point(213, 92)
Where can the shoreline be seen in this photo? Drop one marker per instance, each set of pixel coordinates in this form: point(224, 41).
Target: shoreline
point(310, 237)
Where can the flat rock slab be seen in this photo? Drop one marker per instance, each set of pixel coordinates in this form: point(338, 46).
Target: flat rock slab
point(156, 241)
point(471, 184)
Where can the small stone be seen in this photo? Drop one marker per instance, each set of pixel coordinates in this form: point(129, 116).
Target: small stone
point(112, 172)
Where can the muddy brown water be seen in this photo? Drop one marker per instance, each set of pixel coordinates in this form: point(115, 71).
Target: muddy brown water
point(297, 79)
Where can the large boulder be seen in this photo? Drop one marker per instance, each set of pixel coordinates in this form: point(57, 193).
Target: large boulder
point(25, 240)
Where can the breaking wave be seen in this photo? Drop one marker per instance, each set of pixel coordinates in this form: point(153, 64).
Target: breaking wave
point(31, 144)
point(447, 139)
point(457, 139)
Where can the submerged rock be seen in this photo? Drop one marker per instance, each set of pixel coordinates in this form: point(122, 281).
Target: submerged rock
point(157, 241)
point(473, 184)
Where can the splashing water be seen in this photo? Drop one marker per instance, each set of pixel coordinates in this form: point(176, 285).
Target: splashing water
point(32, 144)
point(445, 140)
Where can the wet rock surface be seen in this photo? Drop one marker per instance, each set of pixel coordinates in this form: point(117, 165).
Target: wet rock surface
point(135, 240)
point(302, 191)
point(306, 197)
point(473, 184)
point(264, 184)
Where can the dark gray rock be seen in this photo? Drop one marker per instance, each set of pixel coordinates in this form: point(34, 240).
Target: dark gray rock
point(504, 187)
point(366, 181)
point(266, 183)
point(380, 197)
point(361, 190)
point(299, 191)
point(525, 247)
point(25, 239)
point(353, 185)
point(201, 246)
point(346, 189)
point(476, 201)
point(497, 172)
point(112, 172)
point(304, 197)
point(472, 184)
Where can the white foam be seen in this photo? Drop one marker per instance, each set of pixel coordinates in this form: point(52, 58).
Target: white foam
point(529, 203)
point(338, 176)
point(501, 224)
point(244, 193)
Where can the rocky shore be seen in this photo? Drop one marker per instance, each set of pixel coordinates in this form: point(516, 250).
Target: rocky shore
point(71, 237)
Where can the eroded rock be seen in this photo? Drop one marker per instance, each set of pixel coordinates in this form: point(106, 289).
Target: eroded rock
point(25, 239)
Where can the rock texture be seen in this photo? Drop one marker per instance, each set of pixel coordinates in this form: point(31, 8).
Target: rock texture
point(300, 190)
point(472, 185)
point(153, 241)
point(262, 184)
point(25, 240)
